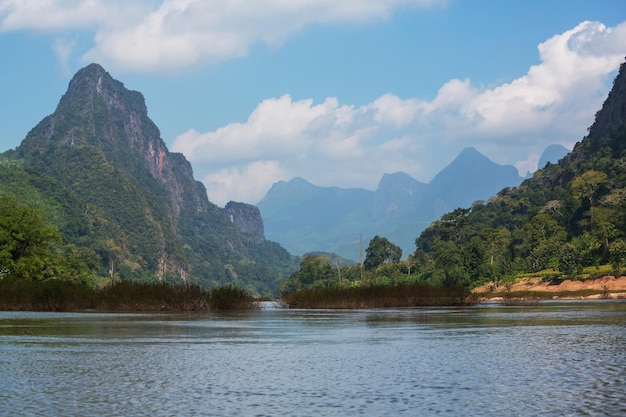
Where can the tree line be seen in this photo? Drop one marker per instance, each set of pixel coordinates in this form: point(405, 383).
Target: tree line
point(569, 218)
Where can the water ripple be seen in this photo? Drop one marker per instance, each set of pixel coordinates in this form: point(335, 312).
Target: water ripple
point(553, 359)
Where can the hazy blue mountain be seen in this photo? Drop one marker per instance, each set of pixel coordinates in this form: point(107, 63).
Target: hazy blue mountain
point(552, 154)
point(304, 217)
point(471, 176)
point(312, 218)
point(396, 195)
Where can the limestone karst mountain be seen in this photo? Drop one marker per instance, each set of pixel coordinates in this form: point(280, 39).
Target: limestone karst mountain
point(140, 209)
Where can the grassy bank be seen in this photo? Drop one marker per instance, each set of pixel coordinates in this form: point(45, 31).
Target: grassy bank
point(377, 296)
point(55, 295)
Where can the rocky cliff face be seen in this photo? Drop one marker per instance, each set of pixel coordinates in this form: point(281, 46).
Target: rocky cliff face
point(606, 133)
point(99, 111)
point(247, 219)
point(610, 120)
point(147, 213)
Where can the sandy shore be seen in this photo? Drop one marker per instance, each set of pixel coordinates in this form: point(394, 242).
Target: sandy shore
point(604, 287)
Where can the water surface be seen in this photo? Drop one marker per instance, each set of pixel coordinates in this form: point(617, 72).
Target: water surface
point(557, 358)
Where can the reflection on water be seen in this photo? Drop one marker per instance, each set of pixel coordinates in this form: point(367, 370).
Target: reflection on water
point(557, 358)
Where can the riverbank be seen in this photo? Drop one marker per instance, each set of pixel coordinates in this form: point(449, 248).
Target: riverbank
point(607, 287)
point(378, 296)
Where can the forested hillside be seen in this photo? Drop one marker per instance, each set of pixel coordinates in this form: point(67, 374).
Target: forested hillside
point(99, 173)
point(568, 216)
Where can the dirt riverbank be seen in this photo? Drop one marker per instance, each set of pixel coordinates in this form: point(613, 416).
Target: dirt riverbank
point(604, 287)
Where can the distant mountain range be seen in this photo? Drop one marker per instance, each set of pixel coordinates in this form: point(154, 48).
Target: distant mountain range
point(304, 217)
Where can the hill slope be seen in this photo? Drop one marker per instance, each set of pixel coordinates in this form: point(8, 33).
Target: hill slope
point(143, 213)
point(568, 216)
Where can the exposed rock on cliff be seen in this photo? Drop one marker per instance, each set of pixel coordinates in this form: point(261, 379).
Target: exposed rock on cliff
point(247, 219)
point(147, 215)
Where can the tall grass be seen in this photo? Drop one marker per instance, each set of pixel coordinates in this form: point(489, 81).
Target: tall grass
point(54, 295)
point(377, 296)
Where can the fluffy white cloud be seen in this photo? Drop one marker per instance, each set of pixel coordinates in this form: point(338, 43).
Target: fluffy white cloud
point(60, 15)
point(277, 128)
point(332, 143)
point(170, 35)
point(346, 145)
point(225, 184)
point(569, 70)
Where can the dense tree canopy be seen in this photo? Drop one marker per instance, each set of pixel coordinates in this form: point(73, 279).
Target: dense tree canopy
point(381, 250)
point(25, 239)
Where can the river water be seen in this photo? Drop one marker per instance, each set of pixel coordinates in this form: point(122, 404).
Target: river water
point(556, 358)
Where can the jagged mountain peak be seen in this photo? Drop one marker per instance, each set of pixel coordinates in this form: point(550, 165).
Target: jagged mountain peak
point(472, 165)
point(99, 111)
point(99, 118)
point(93, 78)
point(304, 217)
point(148, 216)
point(94, 75)
point(393, 188)
point(471, 155)
point(397, 179)
point(94, 81)
point(469, 151)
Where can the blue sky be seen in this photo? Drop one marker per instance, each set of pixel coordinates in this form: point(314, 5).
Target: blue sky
point(336, 92)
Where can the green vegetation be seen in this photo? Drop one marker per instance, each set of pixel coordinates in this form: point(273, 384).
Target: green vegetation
point(569, 219)
point(39, 272)
point(383, 283)
point(32, 249)
point(570, 216)
point(90, 217)
point(124, 208)
point(381, 250)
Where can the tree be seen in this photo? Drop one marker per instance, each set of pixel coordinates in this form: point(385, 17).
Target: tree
point(454, 225)
point(25, 240)
point(315, 271)
point(497, 242)
point(586, 186)
point(381, 250)
point(449, 265)
point(567, 260)
point(617, 251)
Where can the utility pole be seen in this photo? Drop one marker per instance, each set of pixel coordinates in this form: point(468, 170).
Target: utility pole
point(361, 255)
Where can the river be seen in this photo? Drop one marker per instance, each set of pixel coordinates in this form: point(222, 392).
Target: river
point(564, 358)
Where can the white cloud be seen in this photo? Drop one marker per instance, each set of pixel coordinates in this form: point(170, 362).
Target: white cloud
point(225, 184)
point(63, 49)
point(346, 145)
point(332, 143)
point(568, 71)
point(61, 15)
point(392, 110)
point(152, 36)
point(277, 128)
